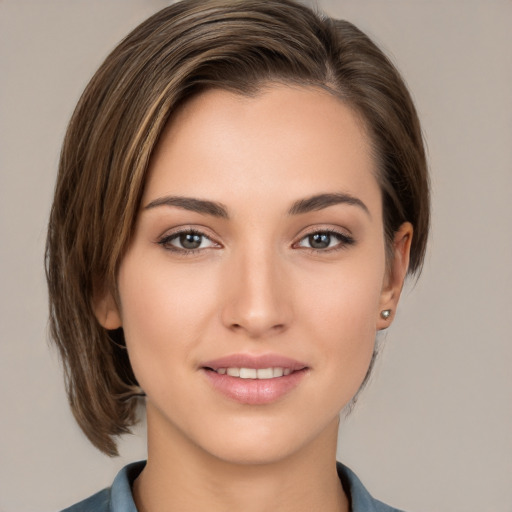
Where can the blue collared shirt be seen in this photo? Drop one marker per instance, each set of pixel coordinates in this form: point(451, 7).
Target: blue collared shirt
point(119, 498)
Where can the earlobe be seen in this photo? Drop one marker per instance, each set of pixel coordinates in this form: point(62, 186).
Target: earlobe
point(395, 275)
point(106, 310)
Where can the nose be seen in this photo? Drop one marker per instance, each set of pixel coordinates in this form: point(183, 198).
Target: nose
point(257, 301)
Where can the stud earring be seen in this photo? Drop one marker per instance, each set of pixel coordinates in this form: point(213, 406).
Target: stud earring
point(385, 314)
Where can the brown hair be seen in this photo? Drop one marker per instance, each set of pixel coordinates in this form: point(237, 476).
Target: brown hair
point(192, 45)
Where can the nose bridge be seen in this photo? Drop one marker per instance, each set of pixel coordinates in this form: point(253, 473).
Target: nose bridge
point(256, 301)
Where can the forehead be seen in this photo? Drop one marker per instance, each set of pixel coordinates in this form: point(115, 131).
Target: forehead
point(284, 142)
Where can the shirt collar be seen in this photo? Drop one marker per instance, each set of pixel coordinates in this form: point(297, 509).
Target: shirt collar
point(121, 498)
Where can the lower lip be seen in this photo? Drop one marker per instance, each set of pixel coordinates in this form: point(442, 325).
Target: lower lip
point(254, 391)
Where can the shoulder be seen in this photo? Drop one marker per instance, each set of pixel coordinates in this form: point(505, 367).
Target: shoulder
point(361, 500)
point(98, 502)
point(117, 498)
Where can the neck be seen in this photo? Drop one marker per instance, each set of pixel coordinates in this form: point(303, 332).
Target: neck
point(181, 476)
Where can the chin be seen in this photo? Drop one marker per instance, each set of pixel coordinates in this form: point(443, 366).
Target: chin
point(254, 452)
point(263, 442)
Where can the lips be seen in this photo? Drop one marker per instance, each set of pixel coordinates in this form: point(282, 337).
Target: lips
point(254, 380)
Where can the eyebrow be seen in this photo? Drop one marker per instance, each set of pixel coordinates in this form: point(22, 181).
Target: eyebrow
point(309, 204)
point(194, 205)
point(321, 201)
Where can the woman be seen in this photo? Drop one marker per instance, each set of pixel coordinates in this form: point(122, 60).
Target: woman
point(242, 191)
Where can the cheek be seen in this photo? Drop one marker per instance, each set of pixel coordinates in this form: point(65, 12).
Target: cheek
point(339, 313)
point(160, 307)
point(344, 297)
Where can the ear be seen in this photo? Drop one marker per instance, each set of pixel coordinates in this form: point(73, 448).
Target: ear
point(106, 310)
point(395, 274)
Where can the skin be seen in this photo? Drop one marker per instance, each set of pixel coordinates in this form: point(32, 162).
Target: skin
point(255, 286)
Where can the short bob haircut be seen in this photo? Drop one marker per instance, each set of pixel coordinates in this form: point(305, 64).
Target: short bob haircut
point(191, 46)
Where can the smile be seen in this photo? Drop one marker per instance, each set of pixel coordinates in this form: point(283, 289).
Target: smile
point(254, 379)
point(254, 373)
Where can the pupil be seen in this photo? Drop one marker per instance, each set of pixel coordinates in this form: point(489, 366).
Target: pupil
point(190, 240)
point(320, 240)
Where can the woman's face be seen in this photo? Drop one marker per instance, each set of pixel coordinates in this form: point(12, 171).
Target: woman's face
point(251, 292)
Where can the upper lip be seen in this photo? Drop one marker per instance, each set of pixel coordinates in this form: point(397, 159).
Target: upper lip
point(254, 361)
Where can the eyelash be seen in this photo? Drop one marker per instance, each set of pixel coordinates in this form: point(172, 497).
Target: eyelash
point(166, 240)
point(344, 241)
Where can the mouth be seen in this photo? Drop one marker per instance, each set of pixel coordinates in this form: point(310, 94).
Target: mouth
point(254, 380)
point(253, 373)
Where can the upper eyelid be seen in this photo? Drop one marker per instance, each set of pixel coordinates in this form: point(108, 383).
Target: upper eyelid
point(311, 230)
point(176, 234)
point(201, 230)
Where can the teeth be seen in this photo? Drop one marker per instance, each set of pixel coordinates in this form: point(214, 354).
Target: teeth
point(265, 373)
point(255, 373)
point(248, 373)
point(278, 372)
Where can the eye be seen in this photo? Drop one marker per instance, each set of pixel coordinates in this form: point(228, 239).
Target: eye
point(186, 241)
point(325, 240)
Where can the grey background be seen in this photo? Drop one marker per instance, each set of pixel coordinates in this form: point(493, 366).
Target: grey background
point(434, 430)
